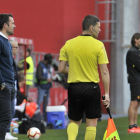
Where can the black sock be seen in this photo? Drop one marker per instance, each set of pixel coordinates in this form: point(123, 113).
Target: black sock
point(135, 125)
point(131, 126)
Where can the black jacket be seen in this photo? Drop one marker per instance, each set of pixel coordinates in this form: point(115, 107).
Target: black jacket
point(133, 64)
point(6, 61)
point(39, 73)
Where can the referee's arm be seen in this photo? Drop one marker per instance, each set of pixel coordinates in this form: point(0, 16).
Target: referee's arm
point(63, 67)
point(106, 81)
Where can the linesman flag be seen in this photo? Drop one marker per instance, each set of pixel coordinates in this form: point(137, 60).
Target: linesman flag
point(111, 131)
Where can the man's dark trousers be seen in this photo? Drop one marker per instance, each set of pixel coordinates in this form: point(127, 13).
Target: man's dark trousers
point(6, 95)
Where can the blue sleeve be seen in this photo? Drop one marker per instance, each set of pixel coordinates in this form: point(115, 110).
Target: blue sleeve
point(1, 78)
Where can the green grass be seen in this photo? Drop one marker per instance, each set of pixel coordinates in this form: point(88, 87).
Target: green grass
point(121, 125)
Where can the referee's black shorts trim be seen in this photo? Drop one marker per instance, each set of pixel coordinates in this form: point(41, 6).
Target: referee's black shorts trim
point(84, 97)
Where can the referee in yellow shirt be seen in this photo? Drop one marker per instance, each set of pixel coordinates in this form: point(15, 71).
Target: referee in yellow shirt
point(83, 54)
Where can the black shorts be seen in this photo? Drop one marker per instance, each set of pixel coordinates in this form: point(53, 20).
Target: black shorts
point(84, 97)
point(135, 91)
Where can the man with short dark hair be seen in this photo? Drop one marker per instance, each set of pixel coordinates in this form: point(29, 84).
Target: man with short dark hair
point(83, 54)
point(43, 80)
point(133, 71)
point(7, 87)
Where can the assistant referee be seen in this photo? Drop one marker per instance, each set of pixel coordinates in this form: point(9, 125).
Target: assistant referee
point(83, 54)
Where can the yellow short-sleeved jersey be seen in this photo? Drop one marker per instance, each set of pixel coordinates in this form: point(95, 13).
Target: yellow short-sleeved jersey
point(83, 54)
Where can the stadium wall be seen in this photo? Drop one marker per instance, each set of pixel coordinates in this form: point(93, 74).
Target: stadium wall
point(49, 23)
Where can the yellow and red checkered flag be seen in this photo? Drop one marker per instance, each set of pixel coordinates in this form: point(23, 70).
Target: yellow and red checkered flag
point(111, 131)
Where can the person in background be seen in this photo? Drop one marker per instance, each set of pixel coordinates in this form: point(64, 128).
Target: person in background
point(29, 69)
point(43, 81)
point(133, 71)
point(15, 50)
point(30, 109)
point(83, 54)
point(20, 97)
point(7, 85)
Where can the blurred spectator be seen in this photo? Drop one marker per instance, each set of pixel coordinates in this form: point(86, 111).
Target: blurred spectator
point(20, 97)
point(61, 79)
point(43, 81)
point(29, 69)
point(30, 110)
point(15, 50)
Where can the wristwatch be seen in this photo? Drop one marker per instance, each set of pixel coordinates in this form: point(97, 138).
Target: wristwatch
point(3, 85)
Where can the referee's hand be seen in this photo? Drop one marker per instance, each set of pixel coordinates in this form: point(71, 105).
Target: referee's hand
point(106, 102)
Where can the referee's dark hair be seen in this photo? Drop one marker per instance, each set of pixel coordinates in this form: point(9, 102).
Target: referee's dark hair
point(135, 36)
point(88, 21)
point(4, 18)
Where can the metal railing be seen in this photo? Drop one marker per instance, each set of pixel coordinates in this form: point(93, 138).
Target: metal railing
point(109, 19)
